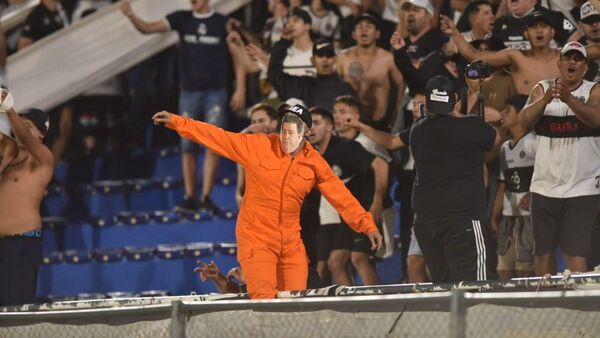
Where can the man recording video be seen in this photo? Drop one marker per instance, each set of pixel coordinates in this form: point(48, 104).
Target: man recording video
point(449, 195)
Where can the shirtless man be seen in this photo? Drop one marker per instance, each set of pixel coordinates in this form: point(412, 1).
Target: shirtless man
point(369, 69)
point(21, 191)
point(528, 67)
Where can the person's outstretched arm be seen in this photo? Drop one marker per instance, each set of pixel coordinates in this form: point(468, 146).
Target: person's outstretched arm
point(234, 146)
point(144, 27)
point(389, 141)
point(336, 192)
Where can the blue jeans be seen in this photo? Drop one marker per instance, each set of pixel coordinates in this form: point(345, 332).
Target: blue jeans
point(209, 106)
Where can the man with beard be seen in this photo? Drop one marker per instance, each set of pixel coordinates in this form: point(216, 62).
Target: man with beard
point(420, 55)
point(528, 67)
point(369, 69)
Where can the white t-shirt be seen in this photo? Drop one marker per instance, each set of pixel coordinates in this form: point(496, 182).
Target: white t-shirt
point(297, 62)
point(567, 162)
point(327, 27)
point(390, 12)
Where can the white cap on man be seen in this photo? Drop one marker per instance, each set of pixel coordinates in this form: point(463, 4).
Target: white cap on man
point(426, 4)
point(576, 46)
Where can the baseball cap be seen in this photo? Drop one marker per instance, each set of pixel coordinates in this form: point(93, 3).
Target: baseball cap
point(574, 45)
point(298, 110)
point(323, 48)
point(302, 14)
point(419, 3)
point(440, 95)
point(540, 16)
point(39, 118)
point(366, 16)
point(588, 13)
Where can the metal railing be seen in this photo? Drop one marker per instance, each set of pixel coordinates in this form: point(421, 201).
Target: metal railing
point(450, 313)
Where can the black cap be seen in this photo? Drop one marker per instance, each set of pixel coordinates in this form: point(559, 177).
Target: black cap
point(366, 16)
point(323, 48)
point(544, 16)
point(440, 95)
point(298, 110)
point(39, 118)
point(302, 14)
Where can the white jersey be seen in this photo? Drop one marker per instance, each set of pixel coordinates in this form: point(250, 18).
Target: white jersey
point(297, 62)
point(516, 170)
point(567, 162)
point(328, 26)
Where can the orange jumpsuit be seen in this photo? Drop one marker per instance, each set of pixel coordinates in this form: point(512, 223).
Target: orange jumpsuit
point(270, 250)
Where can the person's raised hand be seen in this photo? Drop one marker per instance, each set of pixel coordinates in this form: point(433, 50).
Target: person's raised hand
point(561, 92)
point(447, 26)
point(353, 122)
point(234, 37)
point(162, 117)
point(396, 41)
point(207, 271)
point(236, 273)
point(125, 7)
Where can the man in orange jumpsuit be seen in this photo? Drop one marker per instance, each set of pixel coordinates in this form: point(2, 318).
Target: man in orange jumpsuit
point(281, 169)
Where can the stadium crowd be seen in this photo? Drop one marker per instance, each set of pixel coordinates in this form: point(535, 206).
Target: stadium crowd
point(526, 70)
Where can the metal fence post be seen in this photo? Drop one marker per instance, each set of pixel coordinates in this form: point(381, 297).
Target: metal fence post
point(177, 320)
point(458, 314)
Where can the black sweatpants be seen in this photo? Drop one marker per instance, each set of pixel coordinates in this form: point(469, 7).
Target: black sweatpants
point(20, 259)
point(456, 249)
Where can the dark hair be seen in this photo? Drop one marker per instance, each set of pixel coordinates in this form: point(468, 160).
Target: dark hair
point(324, 113)
point(349, 100)
point(518, 101)
point(286, 3)
point(473, 7)
point(267, 108)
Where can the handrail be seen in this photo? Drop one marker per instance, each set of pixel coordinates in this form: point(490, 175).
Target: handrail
point(14, 17)
point(92, 50)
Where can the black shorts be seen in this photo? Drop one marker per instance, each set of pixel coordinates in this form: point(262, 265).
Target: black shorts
point(340, 237)
point(564, 222)
point(20, 259)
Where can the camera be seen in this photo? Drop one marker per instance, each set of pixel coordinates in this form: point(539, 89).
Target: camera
point(477, 70)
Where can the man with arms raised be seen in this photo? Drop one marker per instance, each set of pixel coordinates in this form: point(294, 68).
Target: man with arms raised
point(21, 191)
point(565, 186)
point(527, 67)
point(369, 69)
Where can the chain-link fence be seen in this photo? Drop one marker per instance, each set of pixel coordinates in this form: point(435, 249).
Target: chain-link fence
point(441, 314)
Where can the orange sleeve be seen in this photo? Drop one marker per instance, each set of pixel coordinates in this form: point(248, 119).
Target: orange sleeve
point(336, 192)
point(234, 146)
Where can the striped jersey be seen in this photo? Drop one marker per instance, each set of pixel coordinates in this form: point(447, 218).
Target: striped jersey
point(567, 162)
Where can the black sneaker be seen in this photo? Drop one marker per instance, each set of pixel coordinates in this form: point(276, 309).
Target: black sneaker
point(188, 204)
point(209, 206)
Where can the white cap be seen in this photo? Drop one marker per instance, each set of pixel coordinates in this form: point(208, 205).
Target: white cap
point(587, 12)
point(574, 45)
point(419, 3)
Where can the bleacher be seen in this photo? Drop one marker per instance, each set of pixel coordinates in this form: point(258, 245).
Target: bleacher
point(109, 229)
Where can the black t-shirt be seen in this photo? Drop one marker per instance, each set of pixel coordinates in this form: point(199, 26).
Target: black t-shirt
point(351, 163)
point(510, 30)
point(42, 22)
point(203, 55)
point(429, 48)
point(448, 154)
